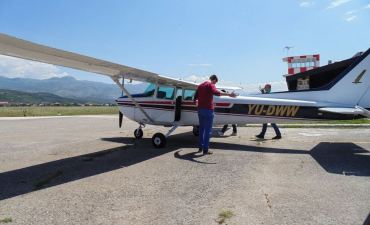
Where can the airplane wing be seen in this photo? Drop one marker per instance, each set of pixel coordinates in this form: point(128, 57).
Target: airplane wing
point(12, 46)
point(227, 88)
point(349, 111)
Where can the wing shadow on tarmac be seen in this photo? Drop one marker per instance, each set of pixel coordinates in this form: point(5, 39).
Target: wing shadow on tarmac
point(339, 158)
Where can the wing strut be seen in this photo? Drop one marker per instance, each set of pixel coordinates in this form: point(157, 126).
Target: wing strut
point(122, 86)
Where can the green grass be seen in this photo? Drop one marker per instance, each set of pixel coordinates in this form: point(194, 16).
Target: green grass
point(6, 220)
point(297, 123)
point(358, 121)
point(224, 215)
point(56, 111)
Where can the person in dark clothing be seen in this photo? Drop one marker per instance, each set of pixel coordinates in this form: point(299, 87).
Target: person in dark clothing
point(266, 90)
point(204, 95)
point(224, 128)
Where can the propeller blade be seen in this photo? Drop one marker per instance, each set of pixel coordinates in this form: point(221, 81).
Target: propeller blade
point(120, 119)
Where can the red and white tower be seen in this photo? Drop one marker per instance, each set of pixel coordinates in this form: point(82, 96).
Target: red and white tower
point(299, 64)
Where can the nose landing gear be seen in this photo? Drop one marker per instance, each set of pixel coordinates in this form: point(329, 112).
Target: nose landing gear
point(138, 133)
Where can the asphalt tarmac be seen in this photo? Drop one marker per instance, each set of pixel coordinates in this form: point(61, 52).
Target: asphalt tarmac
point(85, 170)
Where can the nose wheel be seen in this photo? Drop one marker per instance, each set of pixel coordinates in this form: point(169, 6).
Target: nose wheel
point(138, 133)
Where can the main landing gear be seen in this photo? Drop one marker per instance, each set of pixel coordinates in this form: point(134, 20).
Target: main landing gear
point(159, 140)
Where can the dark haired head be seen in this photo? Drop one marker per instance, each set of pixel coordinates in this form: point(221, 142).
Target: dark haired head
point(213, 77)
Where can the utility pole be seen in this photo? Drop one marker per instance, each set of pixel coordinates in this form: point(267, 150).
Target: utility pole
point(287, 48)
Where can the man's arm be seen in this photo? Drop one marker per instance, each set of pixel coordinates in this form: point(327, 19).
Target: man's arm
point(232, 94)
point(219, 93)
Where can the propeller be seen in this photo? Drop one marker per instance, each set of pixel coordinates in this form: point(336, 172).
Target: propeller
point(120, 119)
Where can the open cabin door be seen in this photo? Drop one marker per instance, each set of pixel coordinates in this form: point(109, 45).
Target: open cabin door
point(163, 107)
point(178, 102)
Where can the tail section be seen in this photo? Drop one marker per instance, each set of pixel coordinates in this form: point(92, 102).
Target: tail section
point(352, 87)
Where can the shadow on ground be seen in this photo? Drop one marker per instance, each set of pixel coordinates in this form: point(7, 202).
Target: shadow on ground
point(338, 158)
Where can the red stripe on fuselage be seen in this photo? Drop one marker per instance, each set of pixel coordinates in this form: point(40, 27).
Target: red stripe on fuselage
point(219, 104)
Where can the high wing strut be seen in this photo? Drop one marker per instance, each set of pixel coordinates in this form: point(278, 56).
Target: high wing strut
point(122, 86)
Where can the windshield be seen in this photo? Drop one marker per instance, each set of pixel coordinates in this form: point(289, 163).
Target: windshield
point(149, 91)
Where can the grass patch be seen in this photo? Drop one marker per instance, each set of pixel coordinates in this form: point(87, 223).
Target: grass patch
point(6, 220)
point(224, 215)
point(358, 121)
point(298, 123)
point(47, 179)
point(56, 111)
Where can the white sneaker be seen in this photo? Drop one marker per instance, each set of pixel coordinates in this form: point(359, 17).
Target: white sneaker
point(220, 133)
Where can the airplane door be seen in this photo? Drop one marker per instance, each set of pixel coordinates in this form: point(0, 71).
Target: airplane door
point(178, 102)
point(163, 111)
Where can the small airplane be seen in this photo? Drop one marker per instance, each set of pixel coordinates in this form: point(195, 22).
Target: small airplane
point(343, 93)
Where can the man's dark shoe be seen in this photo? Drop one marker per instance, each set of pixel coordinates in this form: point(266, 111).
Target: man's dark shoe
point(260, 136)
point(276, 137)
point(207, 152)
point(200, 150)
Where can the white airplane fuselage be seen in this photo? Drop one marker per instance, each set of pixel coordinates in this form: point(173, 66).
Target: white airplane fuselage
point(239, 110)
point(349, 90)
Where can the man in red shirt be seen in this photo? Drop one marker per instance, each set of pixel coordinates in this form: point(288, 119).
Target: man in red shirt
point(205, 92)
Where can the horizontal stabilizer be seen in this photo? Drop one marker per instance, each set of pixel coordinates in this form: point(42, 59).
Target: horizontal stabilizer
point(348, 111)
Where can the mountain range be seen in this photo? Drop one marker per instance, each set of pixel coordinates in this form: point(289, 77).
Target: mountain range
point(20, 97)
point(69, 87)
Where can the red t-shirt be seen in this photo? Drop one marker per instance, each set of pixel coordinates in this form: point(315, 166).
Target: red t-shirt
point(205, 92)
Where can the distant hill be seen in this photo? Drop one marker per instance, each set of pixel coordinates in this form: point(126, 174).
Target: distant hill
point(69, 87)
point(33, 98)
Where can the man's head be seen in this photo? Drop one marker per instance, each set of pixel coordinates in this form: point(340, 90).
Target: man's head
point(268, 88)
point(213, 78)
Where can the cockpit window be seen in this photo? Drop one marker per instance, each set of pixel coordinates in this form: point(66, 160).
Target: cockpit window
point(189, 94)
point(149, 91)
point(165, 92)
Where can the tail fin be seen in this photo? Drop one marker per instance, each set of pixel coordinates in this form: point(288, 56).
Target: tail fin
point(352, 87)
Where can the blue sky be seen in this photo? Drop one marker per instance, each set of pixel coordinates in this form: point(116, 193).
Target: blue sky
point(241, 41)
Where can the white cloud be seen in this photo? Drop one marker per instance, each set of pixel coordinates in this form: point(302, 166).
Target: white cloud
point(199, 64)
point(336, 3)
point(254, 88)
point(350, 12)
point(350, 18)
point(306, 4)
point(195, 78)
point(250, 88)
point(367, 7)
point(15, 67)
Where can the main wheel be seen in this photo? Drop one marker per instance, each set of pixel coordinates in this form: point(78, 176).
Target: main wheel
point(196, 130)
point(159, 140)
point(138, 133)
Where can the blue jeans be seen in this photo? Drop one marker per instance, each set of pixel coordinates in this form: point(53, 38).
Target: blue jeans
point(205, 127)
point(276, 128)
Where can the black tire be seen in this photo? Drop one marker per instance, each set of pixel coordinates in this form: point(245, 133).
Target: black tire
point(196, 130)
point(159, 140)
point(138, 133)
